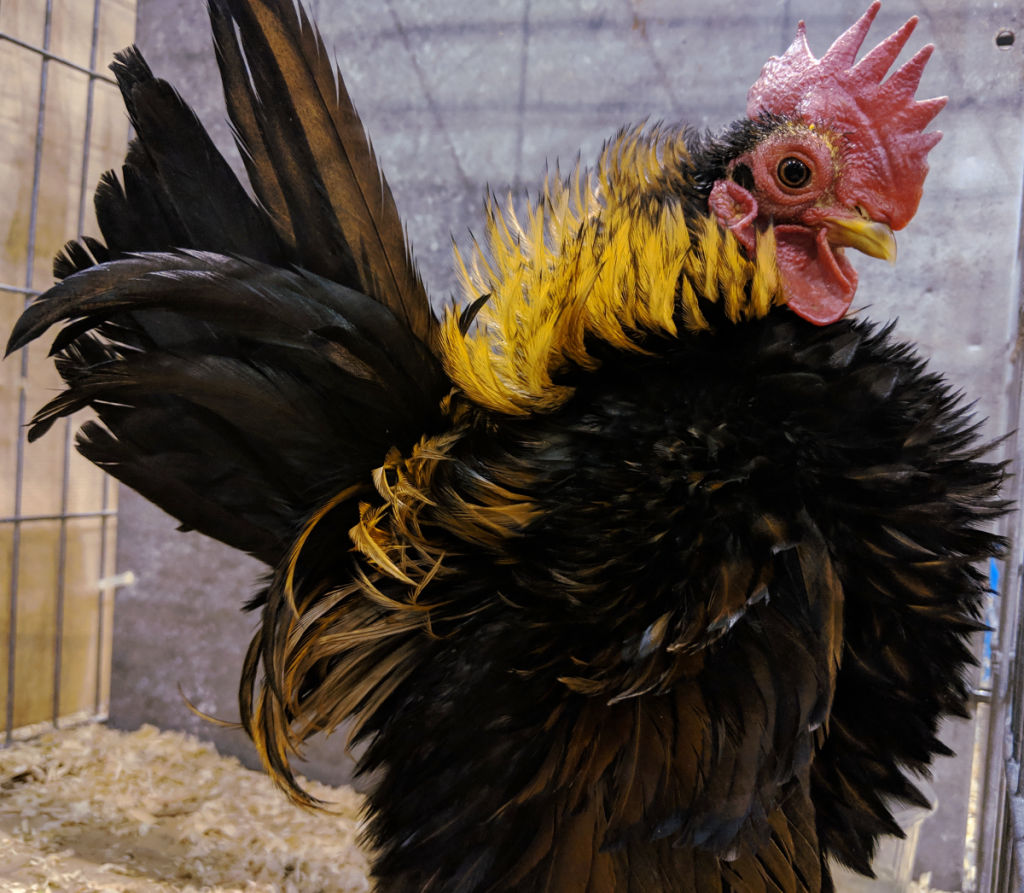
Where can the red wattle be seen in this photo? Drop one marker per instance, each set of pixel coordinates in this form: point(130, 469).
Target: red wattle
point(818, 281)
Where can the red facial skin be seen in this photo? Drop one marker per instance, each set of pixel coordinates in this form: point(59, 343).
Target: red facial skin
point(861, 133)
point(818, 280)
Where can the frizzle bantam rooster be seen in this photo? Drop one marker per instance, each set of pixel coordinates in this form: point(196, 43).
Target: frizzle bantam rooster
point(646, 571)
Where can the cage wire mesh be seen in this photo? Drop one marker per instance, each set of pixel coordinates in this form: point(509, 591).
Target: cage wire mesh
point(62, 126)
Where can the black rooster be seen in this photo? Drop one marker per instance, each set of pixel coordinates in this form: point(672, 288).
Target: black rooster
point(648, 571)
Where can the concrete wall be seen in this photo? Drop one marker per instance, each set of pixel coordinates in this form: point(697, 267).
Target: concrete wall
point(457, 96)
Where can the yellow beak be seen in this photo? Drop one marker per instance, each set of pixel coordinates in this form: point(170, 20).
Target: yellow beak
point(869, 236)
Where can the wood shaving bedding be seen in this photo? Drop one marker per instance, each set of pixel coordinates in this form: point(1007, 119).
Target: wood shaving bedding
point(94, 809)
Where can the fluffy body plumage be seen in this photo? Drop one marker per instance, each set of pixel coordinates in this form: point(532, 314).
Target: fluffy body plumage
point(630, 578)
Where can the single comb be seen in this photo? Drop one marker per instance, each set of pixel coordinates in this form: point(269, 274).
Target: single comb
point(875, 117)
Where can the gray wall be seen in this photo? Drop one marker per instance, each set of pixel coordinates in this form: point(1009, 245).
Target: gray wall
point(457, 96)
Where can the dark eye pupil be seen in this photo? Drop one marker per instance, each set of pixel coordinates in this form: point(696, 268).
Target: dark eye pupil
point(793, 172)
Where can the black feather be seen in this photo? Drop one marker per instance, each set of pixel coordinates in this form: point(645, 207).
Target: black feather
point(309, 158)
point(235, 387)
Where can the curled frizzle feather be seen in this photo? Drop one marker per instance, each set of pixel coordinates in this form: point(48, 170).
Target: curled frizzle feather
point(880, 121)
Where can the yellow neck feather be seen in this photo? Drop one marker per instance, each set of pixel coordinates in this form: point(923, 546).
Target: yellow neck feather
point(609, 255)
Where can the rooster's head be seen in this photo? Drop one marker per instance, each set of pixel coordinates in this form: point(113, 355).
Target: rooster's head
point(838, 160)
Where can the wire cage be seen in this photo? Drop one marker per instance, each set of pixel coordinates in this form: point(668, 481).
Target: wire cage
point(63, 125)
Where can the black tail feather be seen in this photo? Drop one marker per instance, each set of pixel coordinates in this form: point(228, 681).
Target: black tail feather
point(236, 386)
point(175, 176)
point(308, 156)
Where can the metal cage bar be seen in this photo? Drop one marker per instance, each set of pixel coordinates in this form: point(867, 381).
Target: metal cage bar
point(37, 163)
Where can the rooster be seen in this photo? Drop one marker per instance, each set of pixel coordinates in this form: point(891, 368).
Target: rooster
point(647, 569)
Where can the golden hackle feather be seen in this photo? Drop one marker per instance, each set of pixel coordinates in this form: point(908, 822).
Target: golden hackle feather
point(365, 620)
point(606, 256)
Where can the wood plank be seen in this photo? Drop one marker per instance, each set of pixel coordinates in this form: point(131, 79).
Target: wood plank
point(117, 31)
point(82, 650)
point(24, 19)
point(6, 556)
point(19, 91)
point(71, 30)
point(36, 626)
point(106, 611)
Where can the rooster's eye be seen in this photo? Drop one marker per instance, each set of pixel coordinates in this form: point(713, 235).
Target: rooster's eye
point(793, 173)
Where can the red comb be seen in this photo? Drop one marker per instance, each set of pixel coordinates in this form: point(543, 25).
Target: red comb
point(879, 119)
